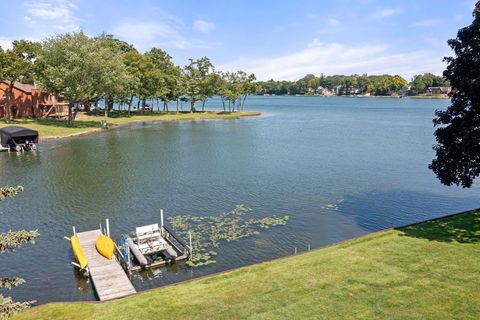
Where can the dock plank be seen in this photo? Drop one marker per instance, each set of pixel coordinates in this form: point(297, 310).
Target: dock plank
point(108, 277)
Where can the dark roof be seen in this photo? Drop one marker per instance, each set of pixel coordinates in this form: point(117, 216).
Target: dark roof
point(17, 131)
point(27, 88)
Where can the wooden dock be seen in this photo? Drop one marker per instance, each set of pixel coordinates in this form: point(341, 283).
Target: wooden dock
point(108, 277)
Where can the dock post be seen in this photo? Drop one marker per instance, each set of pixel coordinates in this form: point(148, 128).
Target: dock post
point(74, 233)
point(107, 222)
point(191, 248)
point(161, 222)
point(295, 250)
point(309, 247)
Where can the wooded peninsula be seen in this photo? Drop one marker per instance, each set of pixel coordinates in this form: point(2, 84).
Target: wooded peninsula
point(79, 69)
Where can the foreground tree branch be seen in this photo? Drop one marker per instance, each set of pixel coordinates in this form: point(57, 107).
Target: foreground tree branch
point(458, 134)
point(9, 242)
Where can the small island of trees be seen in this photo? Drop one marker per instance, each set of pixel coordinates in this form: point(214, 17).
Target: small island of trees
point(79, 69)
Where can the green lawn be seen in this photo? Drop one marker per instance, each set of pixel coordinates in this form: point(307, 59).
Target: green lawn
point(48, 128)
point(426, 271)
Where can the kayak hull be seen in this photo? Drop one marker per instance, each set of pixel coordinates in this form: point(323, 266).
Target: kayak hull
point(105, 246)
point(78, 252)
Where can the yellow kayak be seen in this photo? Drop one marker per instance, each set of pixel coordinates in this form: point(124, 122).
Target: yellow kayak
point(78, 252)
point(105, 246)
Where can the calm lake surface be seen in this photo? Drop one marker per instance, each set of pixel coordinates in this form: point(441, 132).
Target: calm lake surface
point(339, 167)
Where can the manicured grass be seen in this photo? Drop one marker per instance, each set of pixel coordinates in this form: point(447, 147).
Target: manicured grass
point(84, 123)
point(427, 271)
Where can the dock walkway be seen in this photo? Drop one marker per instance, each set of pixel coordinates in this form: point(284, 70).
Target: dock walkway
point(108, 277)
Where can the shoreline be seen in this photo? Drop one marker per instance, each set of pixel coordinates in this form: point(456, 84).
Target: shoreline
point(362, 96)
point(273, 260)
point(385, 237)
point(121, 122)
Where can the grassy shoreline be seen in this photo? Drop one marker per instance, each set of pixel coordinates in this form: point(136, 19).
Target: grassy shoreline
point(87, 124)
point(428, 270)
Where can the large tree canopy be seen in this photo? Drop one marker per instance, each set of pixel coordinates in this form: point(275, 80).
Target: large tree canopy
point(458, 134)
point(81, 68)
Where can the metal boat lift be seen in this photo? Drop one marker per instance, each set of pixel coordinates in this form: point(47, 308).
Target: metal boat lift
point(153, 246)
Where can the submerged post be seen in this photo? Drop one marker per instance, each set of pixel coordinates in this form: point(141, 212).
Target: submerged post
point(107, 222)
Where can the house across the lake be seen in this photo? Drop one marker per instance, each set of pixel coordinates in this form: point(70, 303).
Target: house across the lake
point(438, 90)
point(28, 100)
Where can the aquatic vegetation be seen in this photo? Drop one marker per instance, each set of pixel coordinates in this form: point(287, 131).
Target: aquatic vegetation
point(333, 206)
point(209, 231)
point(9, 192)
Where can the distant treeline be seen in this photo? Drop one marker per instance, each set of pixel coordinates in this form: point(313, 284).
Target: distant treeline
point(353, 84)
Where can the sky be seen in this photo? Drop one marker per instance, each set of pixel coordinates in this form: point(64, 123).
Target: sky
point(283, 40)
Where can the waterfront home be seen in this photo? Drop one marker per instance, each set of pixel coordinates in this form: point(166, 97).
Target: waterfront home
point(324, 91)
point(405, 90)
point(438, 90)
point(341, 90)
point(28, 100)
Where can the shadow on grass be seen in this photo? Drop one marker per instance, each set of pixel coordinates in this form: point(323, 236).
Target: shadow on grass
point(462, 228)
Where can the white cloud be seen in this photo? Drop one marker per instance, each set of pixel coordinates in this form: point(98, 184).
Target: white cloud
point(203, 26)
point(427, 23)
point(50, 9)
point(384, 13)
point(49, 16)
point(166, 32)
point(332, 22)
point(337, 58)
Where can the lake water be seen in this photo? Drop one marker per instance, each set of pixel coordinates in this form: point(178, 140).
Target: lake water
point(339, 167)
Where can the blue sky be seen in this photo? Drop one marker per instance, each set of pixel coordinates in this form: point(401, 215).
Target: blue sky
point(273, 39)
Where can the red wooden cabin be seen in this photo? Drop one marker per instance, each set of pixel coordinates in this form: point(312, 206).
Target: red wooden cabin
point(29, 101)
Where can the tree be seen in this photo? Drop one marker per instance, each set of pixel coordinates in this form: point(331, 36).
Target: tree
point(198, 81)
point(232, 89)
point(398, 82)
point(9, 242)
point(17, 64)
point(80, 68)
point(421, 82)
point(114, 80)
point(247, 86)
point(67, 67)
point(135, 65)
point(458, 134)
point(168, 74)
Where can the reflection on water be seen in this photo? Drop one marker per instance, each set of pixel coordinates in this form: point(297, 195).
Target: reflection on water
point(338, 167)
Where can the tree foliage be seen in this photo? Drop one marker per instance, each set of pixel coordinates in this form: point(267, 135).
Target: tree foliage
point(421, 82)
point(350, 84)
point(10, 241)
point(198, 81)
point(9, 307)
point(458, 128)
point(81, 68)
